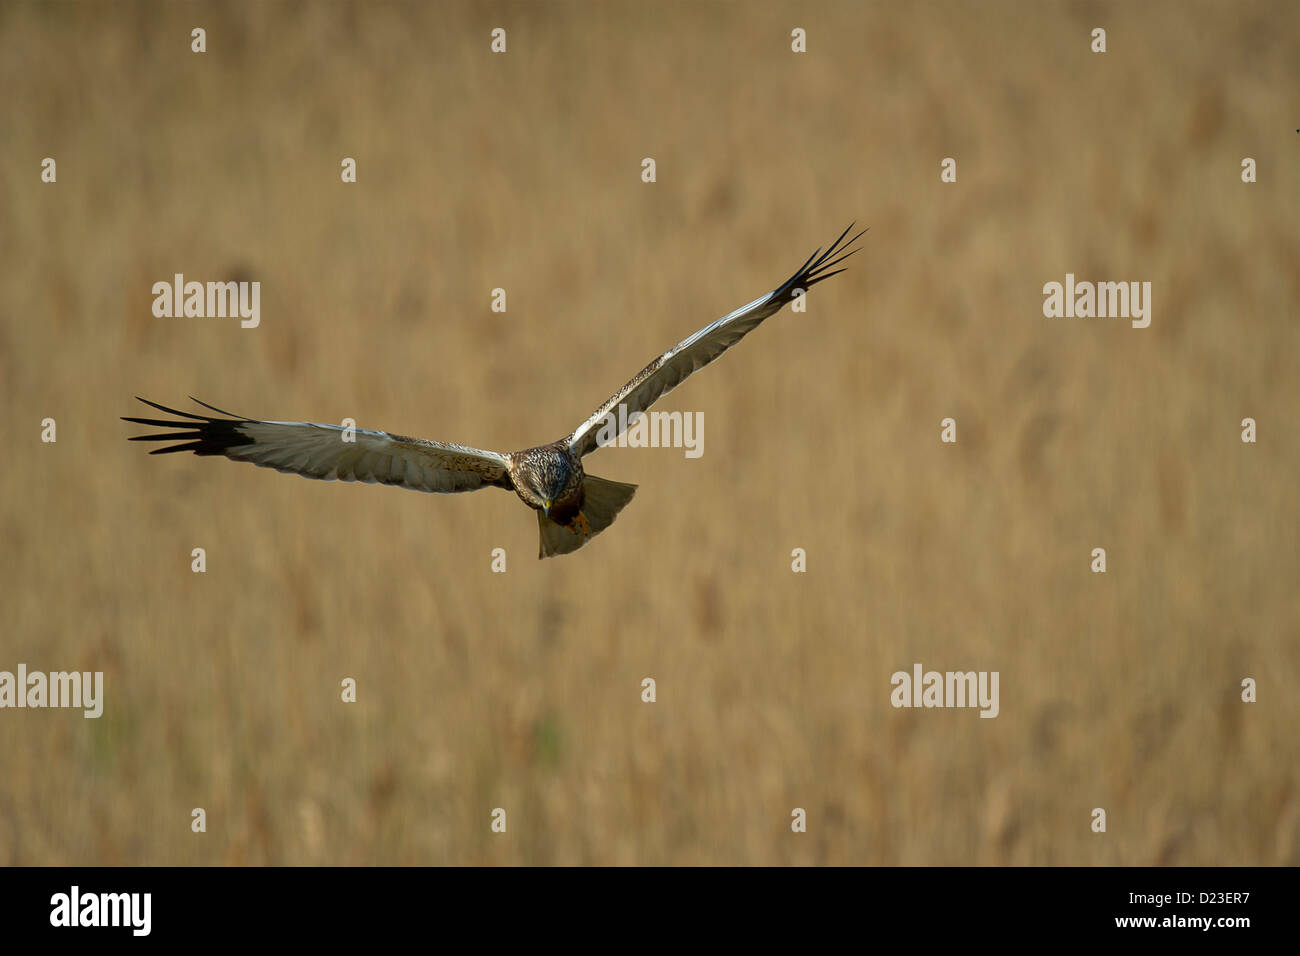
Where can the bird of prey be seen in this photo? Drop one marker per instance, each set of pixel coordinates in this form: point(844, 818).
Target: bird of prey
point(572, 506)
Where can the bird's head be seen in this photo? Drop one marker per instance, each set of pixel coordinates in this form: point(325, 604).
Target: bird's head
point(548, 481)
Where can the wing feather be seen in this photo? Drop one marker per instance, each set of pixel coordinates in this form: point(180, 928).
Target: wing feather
point(319, 451)
point(696, 351)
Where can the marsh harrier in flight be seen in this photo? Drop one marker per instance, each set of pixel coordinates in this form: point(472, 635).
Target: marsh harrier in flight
point(572, 506)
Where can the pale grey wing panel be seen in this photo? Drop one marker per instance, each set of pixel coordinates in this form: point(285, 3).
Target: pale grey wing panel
point(671, 369)
point(320, 451)
point(693, 353)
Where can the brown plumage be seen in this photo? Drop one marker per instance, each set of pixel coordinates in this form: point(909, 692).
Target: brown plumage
point(572, 507)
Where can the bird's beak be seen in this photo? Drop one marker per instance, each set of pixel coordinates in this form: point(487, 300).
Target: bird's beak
point(546, 508)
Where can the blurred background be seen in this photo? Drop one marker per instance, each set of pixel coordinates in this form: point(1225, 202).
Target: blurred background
point(522, 690)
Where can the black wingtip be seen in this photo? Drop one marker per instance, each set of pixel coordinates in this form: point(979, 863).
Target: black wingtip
point(219, 411)
point(201, 434)
point(169, 411)
point(815, 269)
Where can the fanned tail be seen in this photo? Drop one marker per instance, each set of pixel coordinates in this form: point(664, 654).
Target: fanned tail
point(602, 501)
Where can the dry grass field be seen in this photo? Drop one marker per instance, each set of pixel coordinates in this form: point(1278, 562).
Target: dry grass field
point(521, 690)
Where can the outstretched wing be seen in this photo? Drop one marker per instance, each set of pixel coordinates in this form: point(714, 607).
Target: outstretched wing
point(685, 358)
point(321, 451)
